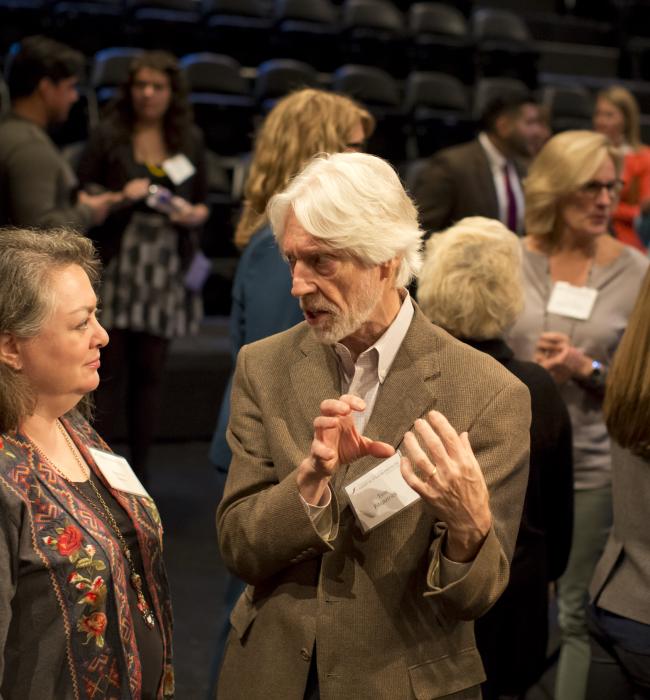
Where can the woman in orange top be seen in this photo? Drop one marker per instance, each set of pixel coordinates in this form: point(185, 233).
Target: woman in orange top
point(617, 117)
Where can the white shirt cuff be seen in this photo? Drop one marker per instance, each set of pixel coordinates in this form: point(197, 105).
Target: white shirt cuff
point(320, 516)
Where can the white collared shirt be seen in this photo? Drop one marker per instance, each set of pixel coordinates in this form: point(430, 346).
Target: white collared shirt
point(364, 377)
point(497, 163)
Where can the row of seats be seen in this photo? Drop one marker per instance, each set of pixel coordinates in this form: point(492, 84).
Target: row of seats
point(416, 116)
point(427, 36)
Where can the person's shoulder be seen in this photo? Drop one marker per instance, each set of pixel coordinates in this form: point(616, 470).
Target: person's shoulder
point(535, 377)
point(279, 345)
point(16, 133)
point(14, 459)
point(459, 361)
point(635, 258)
point(458, 153)
point(11, 450)
point(631, 260)
point(84, 430)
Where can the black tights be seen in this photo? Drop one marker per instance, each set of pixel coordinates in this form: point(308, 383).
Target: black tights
point(132, 365)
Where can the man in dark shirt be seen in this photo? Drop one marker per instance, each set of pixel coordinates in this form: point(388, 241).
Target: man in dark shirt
point(37, 185)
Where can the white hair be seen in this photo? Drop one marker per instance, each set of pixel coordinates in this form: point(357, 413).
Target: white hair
point(354, 202)
point(471, 281)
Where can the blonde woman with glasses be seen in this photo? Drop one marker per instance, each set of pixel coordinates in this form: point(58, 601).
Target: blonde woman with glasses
point(580, 286)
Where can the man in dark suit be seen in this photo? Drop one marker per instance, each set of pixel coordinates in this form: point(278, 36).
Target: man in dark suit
point(483, 177)
point(358, 586)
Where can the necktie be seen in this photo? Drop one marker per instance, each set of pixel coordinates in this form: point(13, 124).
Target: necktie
point(511, 202)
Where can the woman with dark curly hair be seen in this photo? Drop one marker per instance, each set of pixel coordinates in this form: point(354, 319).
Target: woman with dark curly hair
point(149, 149)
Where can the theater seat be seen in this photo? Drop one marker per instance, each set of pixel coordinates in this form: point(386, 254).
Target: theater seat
point(440, 40)
point(568, 107)
point(503, 46)
point(238, 28)
point(381, 94)
point(307, 30)
point(222, 101)
point(372, 33)
point(438, 112)
point(279, 76)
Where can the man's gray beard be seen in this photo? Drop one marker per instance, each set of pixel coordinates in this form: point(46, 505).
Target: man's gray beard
point(341, 325)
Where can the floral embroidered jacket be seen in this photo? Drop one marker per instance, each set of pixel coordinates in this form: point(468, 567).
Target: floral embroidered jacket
point(66, 630)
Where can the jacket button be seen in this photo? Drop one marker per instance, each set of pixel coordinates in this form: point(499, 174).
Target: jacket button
point(305, 654)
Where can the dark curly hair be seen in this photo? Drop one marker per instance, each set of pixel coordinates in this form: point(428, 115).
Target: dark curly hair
point(178, 119)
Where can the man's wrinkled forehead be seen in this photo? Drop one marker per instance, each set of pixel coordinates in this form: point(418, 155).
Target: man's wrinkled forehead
point(297, 237)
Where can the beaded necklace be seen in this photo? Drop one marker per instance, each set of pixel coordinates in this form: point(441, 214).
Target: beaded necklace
point(104, 512)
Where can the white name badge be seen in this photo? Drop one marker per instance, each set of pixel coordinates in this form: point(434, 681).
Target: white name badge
point(570, 301)
point(380, 493)
point(178, 168)
point(117, 471)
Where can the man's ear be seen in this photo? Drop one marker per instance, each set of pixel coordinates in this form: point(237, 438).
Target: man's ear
point(389, 268)
point(10, 352)
point(44, 87)
point(503, 125)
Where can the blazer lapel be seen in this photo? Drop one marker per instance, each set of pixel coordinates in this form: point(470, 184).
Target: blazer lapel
point(314, 376)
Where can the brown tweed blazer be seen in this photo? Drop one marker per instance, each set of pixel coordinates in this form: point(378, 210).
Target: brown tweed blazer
point(373, 605)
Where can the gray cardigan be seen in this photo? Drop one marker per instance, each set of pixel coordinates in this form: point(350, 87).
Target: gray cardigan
point(618, 286)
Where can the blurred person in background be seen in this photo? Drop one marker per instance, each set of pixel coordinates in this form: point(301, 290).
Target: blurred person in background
point(617, 116)
point(37, 185)
point(620, 589)
point(580, 285)
point(149, 149)
point(470, 285)
point(85, 610)
point(483, 177)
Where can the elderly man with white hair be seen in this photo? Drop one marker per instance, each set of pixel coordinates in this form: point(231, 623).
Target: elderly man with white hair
point(378, 470)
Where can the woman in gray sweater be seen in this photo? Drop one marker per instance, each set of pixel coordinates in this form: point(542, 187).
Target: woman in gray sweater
point(580, 285)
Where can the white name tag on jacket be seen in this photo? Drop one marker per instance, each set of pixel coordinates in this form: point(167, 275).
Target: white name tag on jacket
point(380, 493)
point(570, 301)
point(178, 168)
point(117, 471)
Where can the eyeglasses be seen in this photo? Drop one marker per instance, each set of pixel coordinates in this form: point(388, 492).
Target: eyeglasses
point(593, 188)
point(355, 147)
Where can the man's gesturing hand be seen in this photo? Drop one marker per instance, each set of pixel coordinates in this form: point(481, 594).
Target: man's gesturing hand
point(336, 441)
point(453, 483)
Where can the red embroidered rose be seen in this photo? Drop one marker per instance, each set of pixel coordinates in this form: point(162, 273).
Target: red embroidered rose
point(69, 541)
point(96, 623)
point(93, 625)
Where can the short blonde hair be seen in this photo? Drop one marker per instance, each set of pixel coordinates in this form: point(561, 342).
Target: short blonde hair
point(28, 260)
point(302, 124)
point(625, 101)
point(470, 282)
point(354, 202)
point(566, 162)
